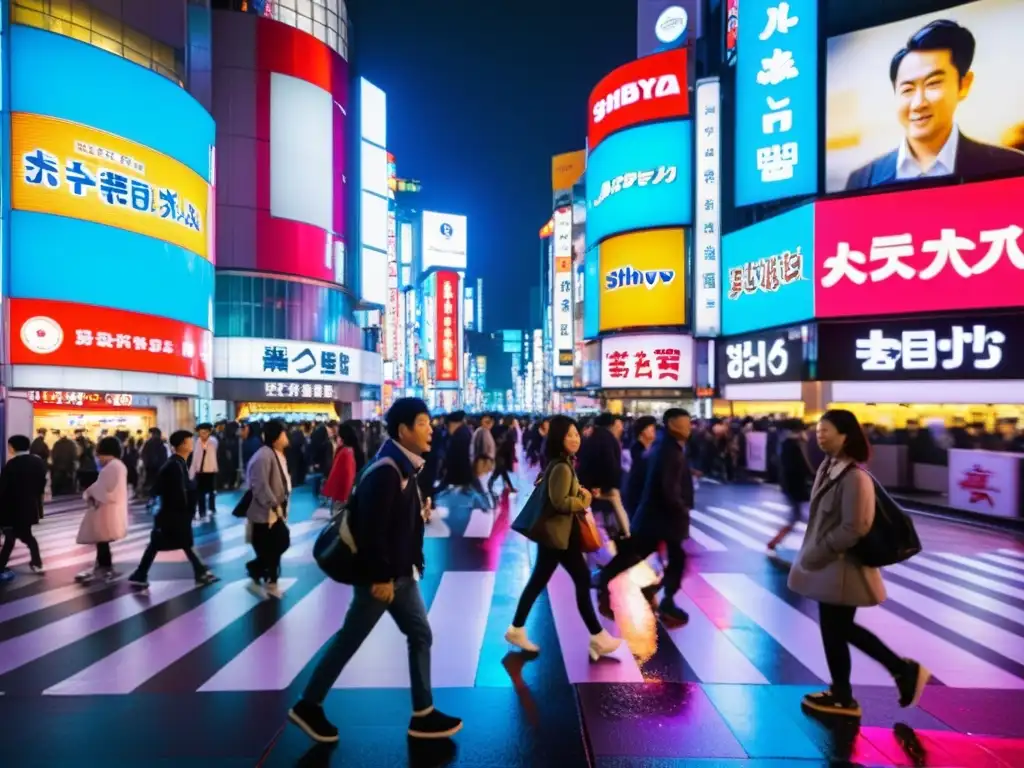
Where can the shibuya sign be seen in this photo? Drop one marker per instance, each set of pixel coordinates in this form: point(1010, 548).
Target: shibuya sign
point(773, 356)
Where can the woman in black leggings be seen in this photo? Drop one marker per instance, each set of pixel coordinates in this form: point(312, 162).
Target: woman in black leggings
point(558, 541)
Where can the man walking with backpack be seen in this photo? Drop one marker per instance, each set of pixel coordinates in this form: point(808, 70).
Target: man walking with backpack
point(386, 519)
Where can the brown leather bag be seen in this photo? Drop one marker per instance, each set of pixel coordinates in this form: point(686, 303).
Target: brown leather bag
point(590, 539)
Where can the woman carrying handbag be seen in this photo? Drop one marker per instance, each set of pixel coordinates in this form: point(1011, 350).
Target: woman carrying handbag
point(556, 518)
point(267, 512)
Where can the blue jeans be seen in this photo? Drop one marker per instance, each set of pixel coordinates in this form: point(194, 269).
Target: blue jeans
point(409, 613)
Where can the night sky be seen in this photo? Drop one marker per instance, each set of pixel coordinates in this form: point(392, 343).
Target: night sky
point(479, 99)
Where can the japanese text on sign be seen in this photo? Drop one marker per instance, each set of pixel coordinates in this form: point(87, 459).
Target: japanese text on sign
point(288, 389)
point(562, 311)
point(81, 399)
point(662, 174)
point(756, 360)
point(924, 351)
point(85, 337)
point(278, 359)
point(768, 274)
point(888, 254)
point(707, 247)
point(638, 365)
point(776, 160)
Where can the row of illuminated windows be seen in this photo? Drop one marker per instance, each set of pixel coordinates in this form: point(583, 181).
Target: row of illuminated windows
point(326, 20)
point(78, 20)
point(250, 306)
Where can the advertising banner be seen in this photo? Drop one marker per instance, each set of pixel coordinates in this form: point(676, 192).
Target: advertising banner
point(768, 273)
point(640, 178)
point(927, 250)
point(642, 91)
point(58, 333)
point(768, 356)
point(707, 246)
point(970, 347)
point(777, 101)
point(651, 361)
point(567, 168)
point(72, 170)
point(283, 360)
point(448, 327)
point(896, 87)
point(444, 241)
point(392, 338)
point(562, 309)
point(592, 290)
point(986, 482)
point(662, 25)
point(643, 283)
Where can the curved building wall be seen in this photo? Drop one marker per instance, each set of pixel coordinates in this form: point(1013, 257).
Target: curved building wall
point(110, 236)
point(280, 98)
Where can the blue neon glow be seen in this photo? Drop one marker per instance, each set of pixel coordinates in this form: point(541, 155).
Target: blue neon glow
point(55, 75)
point(776, 101)
point(640, 178)
point(591, 294)
point(70, 260)
point(762, 301)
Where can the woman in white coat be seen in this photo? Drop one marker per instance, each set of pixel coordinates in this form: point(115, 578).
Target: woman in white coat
point(106, 514)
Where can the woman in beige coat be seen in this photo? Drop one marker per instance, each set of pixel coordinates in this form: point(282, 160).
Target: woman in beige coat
point(827, 570)
point(106, 512)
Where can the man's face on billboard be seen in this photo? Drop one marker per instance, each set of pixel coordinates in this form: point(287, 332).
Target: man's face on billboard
point(928, 91)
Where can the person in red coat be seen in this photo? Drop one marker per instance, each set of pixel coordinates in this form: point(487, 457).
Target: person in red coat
point(348, 462)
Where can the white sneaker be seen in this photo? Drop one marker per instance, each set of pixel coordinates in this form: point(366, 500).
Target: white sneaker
point(86, 576)
point(517, 636)
point(603, 644)
point(273, 590)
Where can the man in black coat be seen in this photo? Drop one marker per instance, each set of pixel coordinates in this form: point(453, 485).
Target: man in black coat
point(172, 526)
point(662, 516)
point(22, 485)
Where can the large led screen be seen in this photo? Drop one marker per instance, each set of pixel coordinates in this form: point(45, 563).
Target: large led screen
point(777, 101)
point(642, 280)
point(767, 271)
point(941, 249)
point(373, 108)
point(926, 97)
point(108, 204)
point(639, 179)
point(445, 240)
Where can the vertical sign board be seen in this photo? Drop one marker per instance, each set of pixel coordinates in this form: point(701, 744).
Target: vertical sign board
point(707, 264)
point(777, 101)
point(562, 319)
point(391, 315)
point(447, 330)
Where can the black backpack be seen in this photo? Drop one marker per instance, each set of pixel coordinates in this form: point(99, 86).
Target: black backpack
point(892, 538)
point(335, 549)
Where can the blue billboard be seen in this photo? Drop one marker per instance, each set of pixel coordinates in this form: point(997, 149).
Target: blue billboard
point(777, 101)
point(592, 294)
point(640, 178)
point(768, 273)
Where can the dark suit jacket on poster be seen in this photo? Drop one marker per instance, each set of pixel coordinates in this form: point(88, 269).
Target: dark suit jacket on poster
point(973, 160)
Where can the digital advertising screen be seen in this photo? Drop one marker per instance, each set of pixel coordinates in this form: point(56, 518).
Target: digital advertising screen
point(566, 169)
point(294, 361)
point(445, 241)
point(707, 230)
point(643, 280)
point(768, 271)
point(449, 327)
point(642, 91)
point(373, 106)
point(649, 361)
point(640, 178)
point(777, 101)
point(926, 97)
point(925, 250)
point(108, 200)
point(768, 356)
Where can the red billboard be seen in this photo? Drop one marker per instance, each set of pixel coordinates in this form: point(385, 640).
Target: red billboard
point(651, 88)
point(448, 326)
point(61, 333)
point(925, 250)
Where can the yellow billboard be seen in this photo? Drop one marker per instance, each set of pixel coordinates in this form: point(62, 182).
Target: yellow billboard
point(643, 280)
point(567, 169)
point(69, 169)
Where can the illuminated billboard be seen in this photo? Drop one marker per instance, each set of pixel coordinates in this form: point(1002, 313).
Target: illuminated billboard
point(562, 310)
point(448, 329)
point(640, 178)
point(444, 241)
point(642, 280)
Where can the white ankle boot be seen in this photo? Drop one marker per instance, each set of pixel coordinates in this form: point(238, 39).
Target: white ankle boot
point(603, 644)
point(517, 636)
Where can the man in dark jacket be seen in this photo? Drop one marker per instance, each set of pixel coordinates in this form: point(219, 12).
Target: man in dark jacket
point(22, 484)
point(458, 468)
point(599, 467)
point(645, 429)
point(388, 529)
point(663, 516)
point(172, 526)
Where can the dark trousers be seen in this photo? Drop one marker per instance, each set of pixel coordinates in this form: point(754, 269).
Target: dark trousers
point(104, 558)
point(267, 563)
point(635, 550)
point(24, 535)
point(206, 489)
point(575, 565)
point(198, 566)
point(501, 471)
point(838, 632)
point(409, 613)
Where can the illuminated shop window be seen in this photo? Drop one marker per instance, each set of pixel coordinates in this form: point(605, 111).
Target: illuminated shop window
point(77, 19)
point(326, 20)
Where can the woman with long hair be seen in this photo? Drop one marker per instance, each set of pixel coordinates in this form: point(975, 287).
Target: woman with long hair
point(559, 542)
point(827, 569)
point(348, 462)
